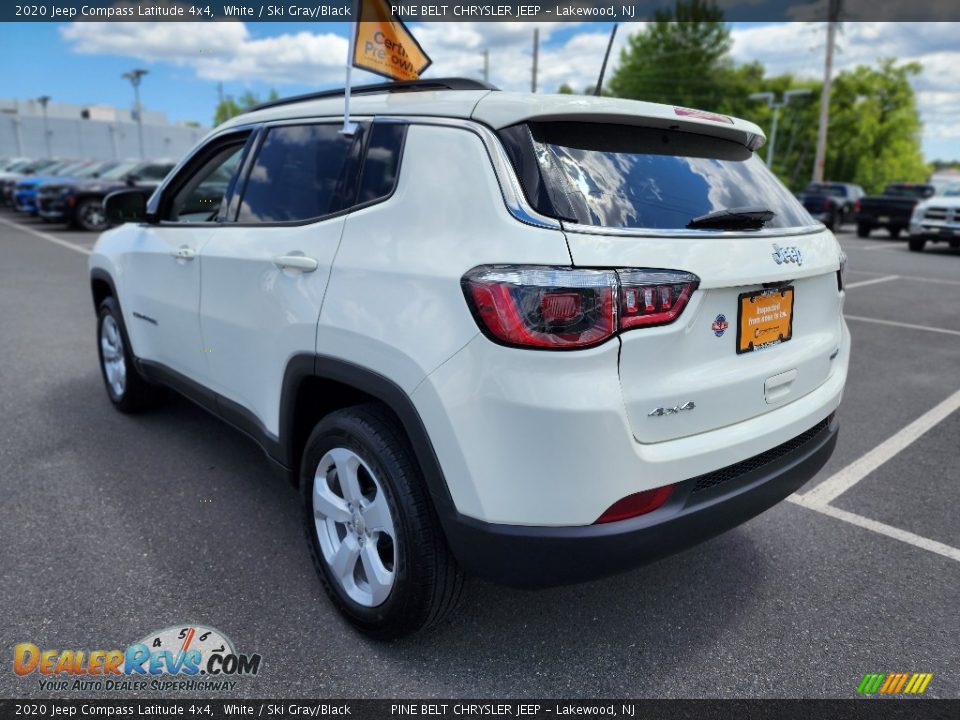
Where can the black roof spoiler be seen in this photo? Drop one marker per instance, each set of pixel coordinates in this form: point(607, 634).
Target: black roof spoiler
point(452, 83)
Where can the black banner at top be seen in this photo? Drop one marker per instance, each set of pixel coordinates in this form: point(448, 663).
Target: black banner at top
point(322, 11)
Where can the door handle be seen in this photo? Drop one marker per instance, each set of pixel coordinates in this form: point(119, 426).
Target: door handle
point(296, 262)
point(184, 253)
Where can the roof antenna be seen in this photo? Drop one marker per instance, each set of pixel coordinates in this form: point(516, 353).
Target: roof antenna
point(603, 68)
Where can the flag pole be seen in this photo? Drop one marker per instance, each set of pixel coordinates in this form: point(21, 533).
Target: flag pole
point(350, 127)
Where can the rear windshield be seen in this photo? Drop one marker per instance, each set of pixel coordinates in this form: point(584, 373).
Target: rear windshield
point(622, 176)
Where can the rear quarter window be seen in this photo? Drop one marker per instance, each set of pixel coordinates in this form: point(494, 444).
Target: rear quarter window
point(621, 176)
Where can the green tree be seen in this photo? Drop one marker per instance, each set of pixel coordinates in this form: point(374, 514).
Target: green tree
point(874, 133)
point(229, 107)
point(875, 128)
point(565, 89)
point(681, 57)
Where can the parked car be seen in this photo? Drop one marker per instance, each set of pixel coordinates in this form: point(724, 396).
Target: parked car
point(533, 338)
point(832, 203)
point(9, 177)
point(891, 210)
point(79, 203)
point(25, 189)
point(937, 219)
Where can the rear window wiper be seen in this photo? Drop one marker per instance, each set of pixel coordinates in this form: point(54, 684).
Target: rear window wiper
point(744, 218)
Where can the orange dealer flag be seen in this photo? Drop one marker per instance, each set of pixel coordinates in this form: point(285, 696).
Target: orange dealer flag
point(383, 45)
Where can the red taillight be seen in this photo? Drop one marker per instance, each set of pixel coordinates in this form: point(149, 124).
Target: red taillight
point(662, 296)
point(827, 203)
point(856, 206)
point(543, 307)
point(639, 503)
point(566, 308)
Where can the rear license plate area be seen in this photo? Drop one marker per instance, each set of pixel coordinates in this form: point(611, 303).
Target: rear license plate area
point(764, 319)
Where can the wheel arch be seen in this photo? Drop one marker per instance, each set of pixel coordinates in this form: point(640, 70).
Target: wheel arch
point(102, 287)
point(316, 385)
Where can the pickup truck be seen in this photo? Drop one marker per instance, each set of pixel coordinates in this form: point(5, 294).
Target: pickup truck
point(937, 220)
point(891, 210)
point(832, 203)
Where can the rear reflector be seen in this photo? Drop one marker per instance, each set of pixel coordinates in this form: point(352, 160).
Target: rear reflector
point(639, 503)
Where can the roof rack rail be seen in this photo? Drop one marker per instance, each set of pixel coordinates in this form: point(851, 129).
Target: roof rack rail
point(450, 83)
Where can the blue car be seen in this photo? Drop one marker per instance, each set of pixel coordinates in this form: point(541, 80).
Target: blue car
point(25, 190)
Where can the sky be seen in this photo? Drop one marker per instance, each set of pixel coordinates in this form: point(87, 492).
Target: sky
point(82, 62)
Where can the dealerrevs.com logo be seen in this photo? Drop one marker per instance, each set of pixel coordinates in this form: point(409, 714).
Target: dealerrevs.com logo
point(184, 658)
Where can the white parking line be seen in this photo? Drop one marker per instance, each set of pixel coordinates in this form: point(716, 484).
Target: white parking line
point(852, 271)
point(46, 236)
point(840, 482)
point(878, 527)
point(909, 326)
point(930, 280)
point(885, 246)
point(874, 281)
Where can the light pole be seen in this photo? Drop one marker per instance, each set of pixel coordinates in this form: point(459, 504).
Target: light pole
point(771, 100)
point(43, 100)
point(134, 77)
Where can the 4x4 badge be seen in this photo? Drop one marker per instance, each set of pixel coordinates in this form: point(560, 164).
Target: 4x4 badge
point(787, 255)
point(661, 411)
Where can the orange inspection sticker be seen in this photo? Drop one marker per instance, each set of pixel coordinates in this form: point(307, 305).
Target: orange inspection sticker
point(765, 319)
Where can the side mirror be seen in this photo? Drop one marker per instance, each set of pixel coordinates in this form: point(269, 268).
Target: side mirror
point(125, 206)
point(131, 179)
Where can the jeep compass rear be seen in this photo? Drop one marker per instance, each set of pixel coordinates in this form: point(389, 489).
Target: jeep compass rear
point(538, 339)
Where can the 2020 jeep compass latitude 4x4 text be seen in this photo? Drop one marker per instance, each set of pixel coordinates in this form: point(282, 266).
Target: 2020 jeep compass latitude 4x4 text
point(537, 339)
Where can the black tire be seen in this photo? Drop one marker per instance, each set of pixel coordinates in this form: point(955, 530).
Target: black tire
point(831, 223)
point(863, 230)
point(136, 394)
point(894, 232)
point(90, 216)
point(917, 244)
point(955, 244)
point(427, 582)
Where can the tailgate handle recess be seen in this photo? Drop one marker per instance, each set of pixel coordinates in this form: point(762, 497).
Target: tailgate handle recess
point(778, 387)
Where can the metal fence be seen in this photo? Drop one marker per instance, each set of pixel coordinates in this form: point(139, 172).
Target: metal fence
point(23, 136)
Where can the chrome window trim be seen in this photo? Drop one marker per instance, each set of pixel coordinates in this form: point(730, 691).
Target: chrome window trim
point(693, 234)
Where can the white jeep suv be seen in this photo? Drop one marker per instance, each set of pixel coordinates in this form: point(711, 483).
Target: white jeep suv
point(533, 338)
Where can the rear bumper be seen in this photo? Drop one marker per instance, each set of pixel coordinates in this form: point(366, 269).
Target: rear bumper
point(699, 508)
point(883, 221)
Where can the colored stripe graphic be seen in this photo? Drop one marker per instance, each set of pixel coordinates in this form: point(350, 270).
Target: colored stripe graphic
point(894, 683)
point(870, 683)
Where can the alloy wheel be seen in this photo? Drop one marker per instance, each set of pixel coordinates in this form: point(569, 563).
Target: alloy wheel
point(354, 527)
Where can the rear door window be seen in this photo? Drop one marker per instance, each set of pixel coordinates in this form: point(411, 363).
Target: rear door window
point(620, 176)
point(381, 164)
point(298, 174)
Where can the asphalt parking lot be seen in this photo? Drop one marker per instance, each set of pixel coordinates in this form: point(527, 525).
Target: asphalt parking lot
point(114, 526)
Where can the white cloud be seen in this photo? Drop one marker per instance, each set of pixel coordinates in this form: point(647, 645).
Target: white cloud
point(227, 51)
point(218, 51)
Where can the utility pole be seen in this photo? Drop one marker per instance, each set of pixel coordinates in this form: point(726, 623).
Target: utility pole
point(43, 100)
point(771, 100)
point(536, 54)
point(821, 155)
point(486, 65)
point(134, 77)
